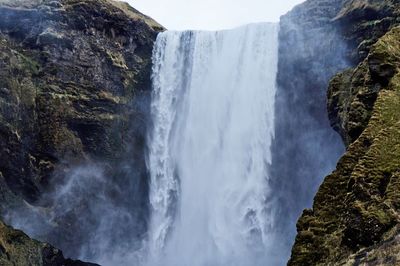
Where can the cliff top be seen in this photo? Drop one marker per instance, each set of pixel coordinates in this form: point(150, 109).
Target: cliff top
point(125, 7)
point(136, 15)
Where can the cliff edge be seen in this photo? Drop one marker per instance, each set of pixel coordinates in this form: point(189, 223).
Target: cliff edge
point(355, 215)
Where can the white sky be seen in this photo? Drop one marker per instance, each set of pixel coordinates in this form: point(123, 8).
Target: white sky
point(212, 14)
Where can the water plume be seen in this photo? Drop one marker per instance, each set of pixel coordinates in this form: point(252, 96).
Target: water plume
point(213, 116)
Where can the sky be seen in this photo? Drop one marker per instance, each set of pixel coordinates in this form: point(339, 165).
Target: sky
point(212, 14)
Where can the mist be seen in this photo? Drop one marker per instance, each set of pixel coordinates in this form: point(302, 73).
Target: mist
point(306, 148)
point(88, 214)
point(96, 213)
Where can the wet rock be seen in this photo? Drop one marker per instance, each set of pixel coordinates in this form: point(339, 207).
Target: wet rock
point(355, 212)
point(16, 248)
point(74, 89)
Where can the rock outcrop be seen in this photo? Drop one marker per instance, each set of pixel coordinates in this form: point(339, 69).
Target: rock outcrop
point(355, 215)
point(16, 248)
point(305, 148)
point(74, 89)
point(70, 71)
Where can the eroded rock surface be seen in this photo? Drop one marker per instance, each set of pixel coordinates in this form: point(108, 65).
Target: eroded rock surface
point(74, 90)
point(355, 215)
point(16, 248)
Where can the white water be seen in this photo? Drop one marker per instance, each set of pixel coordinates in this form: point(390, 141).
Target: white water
point(213, 115)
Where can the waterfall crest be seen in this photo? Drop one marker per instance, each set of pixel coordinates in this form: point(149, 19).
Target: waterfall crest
point(209, 150)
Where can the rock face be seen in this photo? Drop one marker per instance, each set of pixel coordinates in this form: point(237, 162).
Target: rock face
point(16, 248)
point(355, 215)
point(305, 147)
point(74, 89)
point(69, 73)
point(362, 24)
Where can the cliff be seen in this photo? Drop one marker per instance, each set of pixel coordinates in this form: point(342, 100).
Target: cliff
point(74, 105)
point(74, 89)
point(305, 148)
point(355, 214)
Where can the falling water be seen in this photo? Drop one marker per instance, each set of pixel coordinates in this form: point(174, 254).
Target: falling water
point(209, 152)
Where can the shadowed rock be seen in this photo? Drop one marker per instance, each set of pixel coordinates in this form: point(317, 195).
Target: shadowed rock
point(74, 90)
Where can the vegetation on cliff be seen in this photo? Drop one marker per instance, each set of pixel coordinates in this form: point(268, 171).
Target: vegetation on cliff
point(16, 248)
point(74, 88)
point(355, 216)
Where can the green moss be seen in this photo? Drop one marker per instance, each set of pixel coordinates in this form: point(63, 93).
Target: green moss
point(117, 60)
point(30, 64)
point(360, 200)
point(18, 249)
point(135, 15)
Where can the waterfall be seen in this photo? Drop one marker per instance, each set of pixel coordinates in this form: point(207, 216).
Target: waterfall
point(210, 147)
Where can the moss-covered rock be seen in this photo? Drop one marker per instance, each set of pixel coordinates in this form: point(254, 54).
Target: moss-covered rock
point(357, 206)
point(309, 54)
point(57, 61)
point(363, 22)
point(74, 88)
point(16, 248)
